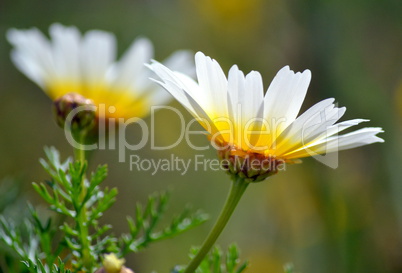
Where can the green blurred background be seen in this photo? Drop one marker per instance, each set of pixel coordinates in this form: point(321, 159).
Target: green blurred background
point(320, 219)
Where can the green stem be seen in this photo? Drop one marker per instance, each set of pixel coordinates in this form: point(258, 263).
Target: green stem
point(79, 153)
point(47, 246)
point(87, 259)
point(236, 192)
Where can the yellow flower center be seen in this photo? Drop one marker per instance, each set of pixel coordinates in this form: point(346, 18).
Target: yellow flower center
point(111, 102)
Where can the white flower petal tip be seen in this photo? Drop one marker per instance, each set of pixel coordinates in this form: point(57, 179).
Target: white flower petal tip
point(278, 129)
point(199, 54)
point(85, 63)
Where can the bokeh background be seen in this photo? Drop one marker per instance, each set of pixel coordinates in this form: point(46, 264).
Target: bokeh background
point(320, 219)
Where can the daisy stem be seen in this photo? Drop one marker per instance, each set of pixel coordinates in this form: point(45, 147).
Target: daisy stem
point(79, 153)
point(82, 219)
point(236, 192)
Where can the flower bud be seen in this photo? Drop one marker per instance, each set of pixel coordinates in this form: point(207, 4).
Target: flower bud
point(77, 111)
point(112, 264)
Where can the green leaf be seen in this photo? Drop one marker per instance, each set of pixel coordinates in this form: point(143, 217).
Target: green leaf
point(43, 192)
point(39, 267)
point(97, 177)
point(217, 262)
point(143, 228)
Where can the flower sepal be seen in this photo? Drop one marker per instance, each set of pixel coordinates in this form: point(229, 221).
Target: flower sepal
point(252, 167)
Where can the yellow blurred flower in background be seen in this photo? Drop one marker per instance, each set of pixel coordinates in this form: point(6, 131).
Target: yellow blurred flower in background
point(85, 64)
point(236, 14)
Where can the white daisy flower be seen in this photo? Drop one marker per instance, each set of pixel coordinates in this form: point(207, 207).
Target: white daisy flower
point(85, 64)
point(244, 123)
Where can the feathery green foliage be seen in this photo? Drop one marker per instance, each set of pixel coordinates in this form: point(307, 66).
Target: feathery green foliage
point(217, 262)
point(49, 246)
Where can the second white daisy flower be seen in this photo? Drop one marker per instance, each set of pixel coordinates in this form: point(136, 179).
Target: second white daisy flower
point(85, 64)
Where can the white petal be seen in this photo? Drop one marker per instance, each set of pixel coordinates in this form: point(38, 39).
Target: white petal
point(181, 61)
point(254, 96)
point(97, 56)
point(32, 54)
point(236, 92)
point(213, 82)
point(29, 67)
point(160, 96)
point(357, 138)
point(191, 87)
point(195, 97)
point(171, 83)
point(130, 71)
point(354, 139)
point(177, 92)
point(337, 128)
point(292, 135)
point(179, 85)
point(253, 107)
point(66, 52)
point(351, 140)
point(326, 118)
point(324, 136)
point(285, 96)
